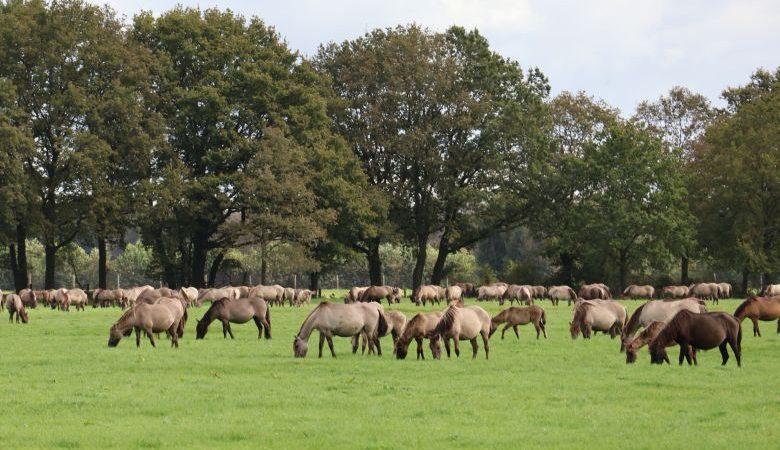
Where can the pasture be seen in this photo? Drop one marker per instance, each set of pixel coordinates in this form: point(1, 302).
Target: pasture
point(63, 387)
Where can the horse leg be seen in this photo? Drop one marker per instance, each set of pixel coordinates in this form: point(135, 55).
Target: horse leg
point(504, 330)
point(736, 347)
point(474, 348)
point(485, 339)
point(230, 331)
point(456, 343)
point(151, 336)
point(224, 330)
point(420, 353)
point(724, 352)
point(137, 336)
point(322, 342)
point(330, 345)
point(259, 324)
point(538, 329)
point(517, 333)
point(447, 346)
point(354, 344)
point(756, 330)
point(693, 356)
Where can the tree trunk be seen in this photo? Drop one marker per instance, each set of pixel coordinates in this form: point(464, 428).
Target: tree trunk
point(215, 268)
point(767, 278)
point(314, 282)
point(567, 269)
point(263, 265)
point(374, 262)
point(18, 255)
point(745, 278)
point(199, 253)
point(102, 264)
point(50, 252)
point(438, 267)
point(684, 270)
point(623, 272)
point(419, 264)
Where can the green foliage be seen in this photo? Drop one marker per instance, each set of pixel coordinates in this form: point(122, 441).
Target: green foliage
point(133, 265)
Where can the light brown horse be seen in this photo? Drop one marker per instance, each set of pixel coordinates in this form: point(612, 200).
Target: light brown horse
point(29, 298)
point(660, 311)
point(396, 321)
point(639, 291)
point(15, 306)
point(77, 298)
point(418, 328)
point(236, 311)
point(109, 297)
point(607, 316)
point(520, 293)
point(698, 331)
point(675, 291)
point(461, 324)
point(558, 293)
point(426, 293)
point(345, 320)
point(759, 308)
point(514, 316)
point(149, 318)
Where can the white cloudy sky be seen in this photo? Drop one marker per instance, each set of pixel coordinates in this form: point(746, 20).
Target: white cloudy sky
point(621, 51)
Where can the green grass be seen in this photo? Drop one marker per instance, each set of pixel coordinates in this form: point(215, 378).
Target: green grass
point(63, 387)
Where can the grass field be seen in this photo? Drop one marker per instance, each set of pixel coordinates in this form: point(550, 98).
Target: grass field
point(63, 387)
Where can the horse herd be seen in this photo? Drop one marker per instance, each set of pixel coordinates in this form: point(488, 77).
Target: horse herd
point(664, 323)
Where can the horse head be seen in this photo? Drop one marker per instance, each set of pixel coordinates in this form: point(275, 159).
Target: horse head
point(300, 347)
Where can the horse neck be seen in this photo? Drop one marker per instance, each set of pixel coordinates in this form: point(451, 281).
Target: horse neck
point(308, 325)
point(633, 322)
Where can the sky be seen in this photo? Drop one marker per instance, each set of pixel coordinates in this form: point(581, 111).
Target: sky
point(620, 51)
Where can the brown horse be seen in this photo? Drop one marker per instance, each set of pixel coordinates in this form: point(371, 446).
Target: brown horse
point(15, 306)
point(607, 316)
point(514, 316)
point(458, 324)
point(236, 311)
point(759, 308)
point(151, 319)
point(698, 331)
point(644, 338)
point(419, 327)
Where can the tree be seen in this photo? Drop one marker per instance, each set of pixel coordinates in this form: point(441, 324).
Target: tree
point(68, 63)
point(442, 126)
point(679, 119)
point(244, 119)
point(737, 182)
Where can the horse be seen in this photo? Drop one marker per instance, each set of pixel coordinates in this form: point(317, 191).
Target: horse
point(759, 308)
point(333, 319)
point(236, 311)
point(396, 321)
point(698, 331)
point(425, 293)
point(514, 316)
point(724, 290)
point(151, 318)
point(461, 323)
point(675, 292)
point(597, 291)
point(108, 297)
point(15, 306)
point(61, 300)
point(770, 290)
point(468, 289)
point(538, 292)
point(354, 294)
point(178, 307)
point(558, 293)
point(644, 338)
point(705, 291)
point(607, 316)
point(636, 291)
point(453, 294)
point(131, 295)
point(189, 294)
point(29, 298)
point(521, 293)
point(289, 295)
point(419, 327)
point(303, 296)
point(213, 294)
point(491, 292)
point(273, 295)
point(657, 311)
point(377, 293)
point(78, 298)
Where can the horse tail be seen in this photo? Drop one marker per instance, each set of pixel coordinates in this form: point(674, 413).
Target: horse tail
point(382, 326)
point(544, 317)
point(572, 294)
point(267, 327)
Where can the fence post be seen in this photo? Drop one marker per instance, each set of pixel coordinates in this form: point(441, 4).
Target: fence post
point(337, 281)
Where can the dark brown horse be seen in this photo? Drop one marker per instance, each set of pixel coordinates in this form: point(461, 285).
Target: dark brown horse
point(644, 338)
point(759, 308)
point(698, 331)
point(239, 310)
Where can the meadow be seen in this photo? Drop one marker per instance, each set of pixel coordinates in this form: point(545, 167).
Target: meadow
point(63, 387)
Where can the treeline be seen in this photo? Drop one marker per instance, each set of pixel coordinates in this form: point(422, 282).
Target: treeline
point(203, 132)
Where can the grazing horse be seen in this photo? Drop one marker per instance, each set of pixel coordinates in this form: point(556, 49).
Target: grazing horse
point(521, 293)
point(61, 300)
point(491, 292)
point(468, 289)
point(459, 323)
point(698, 331)
point(273, 295)
point(759, 308)
point(514, 316)
point(636, 291)
point(108, 297)
point(377, 293)
point(15, 306)
point(644, 338)
point(425, 293)
point(29, 298)
point(216, 294)
point(178, 307)
point(453, 294)
point(596, 291)
point(396, 321)
point(78, 298)
point(705, 291)
point(419, 327)
point(333, 319)
point(658, 311)
point(558, 293)
point(236, 311)
point(151, 318)
point(607, 316)
point(675, 292)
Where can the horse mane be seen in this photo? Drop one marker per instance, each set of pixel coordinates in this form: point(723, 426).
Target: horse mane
point(742, 306)
point(633, 322)
point(500, 317)
point(311, 313)
point(580, 310)
point(447, 320)
point(669, 332)
point(125, 317)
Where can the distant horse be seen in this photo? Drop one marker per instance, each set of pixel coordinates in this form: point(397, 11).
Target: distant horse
point(15, 306)
point(514, 316)
point(419, 327)
point(658, 311)
point(521, 293)
point(596, 291)
point(698, 331)
point(376, 293)
point(675, 292)
point(236, 311)
point(759, 308)
point(333, 319)
point(29, 298)
point(149, 318)
point(558, 293)
point(637, 291)
point(396, 322)
point(461, 324)
point(607, 316)
point(424, 294)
